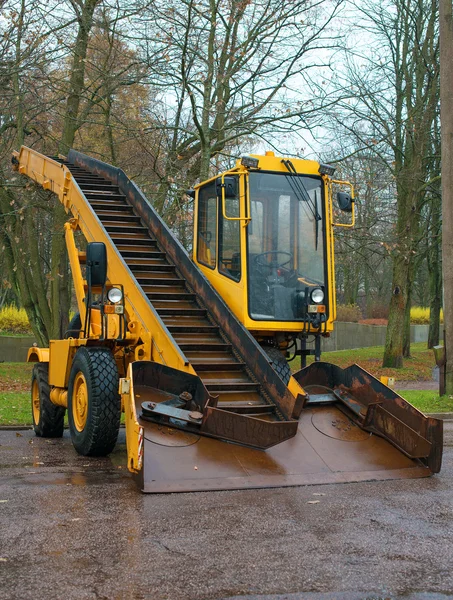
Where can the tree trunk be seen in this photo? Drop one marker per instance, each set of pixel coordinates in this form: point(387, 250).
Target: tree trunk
point(393, 354)
point(435, 281)
point(76, 82)
point(407, 323)
point(22, 258)
point(446, 112)
point(60, 280)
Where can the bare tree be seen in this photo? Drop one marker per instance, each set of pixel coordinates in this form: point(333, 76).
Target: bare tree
point(446, 66)
point(393, 114)
point(34, 35)
point(230, 69)
point(25, 51)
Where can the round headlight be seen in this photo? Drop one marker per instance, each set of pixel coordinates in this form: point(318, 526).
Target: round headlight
point(317, 295)
point(115, 295)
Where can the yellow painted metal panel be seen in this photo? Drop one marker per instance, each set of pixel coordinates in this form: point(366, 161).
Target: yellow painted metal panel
point(60, 362)
point(38, 355)
point(144, 322)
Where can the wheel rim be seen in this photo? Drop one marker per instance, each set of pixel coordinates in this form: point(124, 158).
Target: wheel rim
point(80, 402)
point(35, 403)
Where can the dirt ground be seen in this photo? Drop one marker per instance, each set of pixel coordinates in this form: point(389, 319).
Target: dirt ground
point(78, 528)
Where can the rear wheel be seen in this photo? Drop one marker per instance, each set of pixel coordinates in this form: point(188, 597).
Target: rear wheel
point(48, 419)
point(279, 363)
point(94, 404)
point(74, 327)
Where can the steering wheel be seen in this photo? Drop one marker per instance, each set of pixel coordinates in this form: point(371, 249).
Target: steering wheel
point(274, 264)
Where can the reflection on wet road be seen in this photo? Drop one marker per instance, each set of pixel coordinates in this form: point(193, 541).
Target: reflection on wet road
point(76, 528)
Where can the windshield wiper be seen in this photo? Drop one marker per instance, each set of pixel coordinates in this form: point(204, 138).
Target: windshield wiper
point(299, 189)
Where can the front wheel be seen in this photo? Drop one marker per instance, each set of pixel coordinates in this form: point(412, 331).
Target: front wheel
point(279, 363)
point(48, 419)
point(94, 404)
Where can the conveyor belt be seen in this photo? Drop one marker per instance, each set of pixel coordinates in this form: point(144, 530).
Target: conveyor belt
point(194, 329)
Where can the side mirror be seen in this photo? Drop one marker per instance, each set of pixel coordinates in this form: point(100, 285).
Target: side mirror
point(344, 201)
point(190, 193)
point(231, 187)
point(96, 262)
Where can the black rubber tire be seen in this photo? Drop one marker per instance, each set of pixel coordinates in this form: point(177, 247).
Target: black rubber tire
point(74, 327)
point(279, 363)
point(51, 417)
point(100, 431)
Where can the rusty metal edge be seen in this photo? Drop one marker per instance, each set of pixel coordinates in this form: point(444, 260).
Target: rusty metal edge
point(270, 481)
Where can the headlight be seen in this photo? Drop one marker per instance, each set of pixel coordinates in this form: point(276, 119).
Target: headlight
point(115, 295)
point(317, 295)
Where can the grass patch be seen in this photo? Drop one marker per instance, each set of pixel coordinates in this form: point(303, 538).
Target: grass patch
point(15, 408)
point(417, 368)
point(15, 335)
point(15, 402)
point(428, 401)
point(15, 377)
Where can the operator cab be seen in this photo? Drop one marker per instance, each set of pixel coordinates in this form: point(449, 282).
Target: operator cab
point(260, 239)
point(285, 246)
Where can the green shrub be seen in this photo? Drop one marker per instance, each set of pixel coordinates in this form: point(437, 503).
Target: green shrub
point(14, 320)
point(350, 313)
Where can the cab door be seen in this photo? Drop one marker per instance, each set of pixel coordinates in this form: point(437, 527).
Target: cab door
point(219, 237)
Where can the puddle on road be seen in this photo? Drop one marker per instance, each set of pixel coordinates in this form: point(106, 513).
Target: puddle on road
point(82, 479)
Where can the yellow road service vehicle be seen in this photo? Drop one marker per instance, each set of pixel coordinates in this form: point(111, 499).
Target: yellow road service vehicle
point(194, 351)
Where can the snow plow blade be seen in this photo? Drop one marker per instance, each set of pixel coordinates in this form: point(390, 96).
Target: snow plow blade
point(332, 444)
point(375, 408)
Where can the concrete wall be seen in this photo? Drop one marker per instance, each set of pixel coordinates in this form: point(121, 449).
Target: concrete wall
point(346, 336)
point(14, 349)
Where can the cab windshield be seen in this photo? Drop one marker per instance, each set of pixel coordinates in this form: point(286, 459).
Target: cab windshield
point(285, 248)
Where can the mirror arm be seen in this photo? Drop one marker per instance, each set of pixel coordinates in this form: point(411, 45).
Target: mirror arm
point(351, 187)
point(225, 216)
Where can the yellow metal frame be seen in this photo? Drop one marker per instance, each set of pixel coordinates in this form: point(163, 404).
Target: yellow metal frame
point(146, 331)
point(38, 354)
point(351, 188)
point(242, 195)
point(134, 431)
point(235, 293)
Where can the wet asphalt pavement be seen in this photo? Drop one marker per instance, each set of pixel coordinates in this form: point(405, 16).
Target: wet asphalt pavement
point(78, 528)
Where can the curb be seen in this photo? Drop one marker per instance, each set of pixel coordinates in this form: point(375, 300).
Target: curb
point(446, 416)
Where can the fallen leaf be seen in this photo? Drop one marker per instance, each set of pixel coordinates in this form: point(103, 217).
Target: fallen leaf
point(18, 434)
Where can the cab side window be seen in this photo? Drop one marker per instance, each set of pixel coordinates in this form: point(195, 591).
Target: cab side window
point(229, 241)
point(207, 226)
